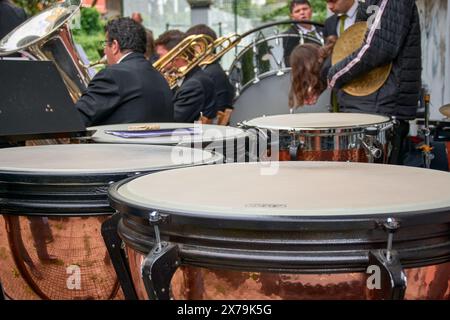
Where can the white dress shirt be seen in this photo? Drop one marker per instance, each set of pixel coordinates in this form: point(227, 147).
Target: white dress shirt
point(351, 17)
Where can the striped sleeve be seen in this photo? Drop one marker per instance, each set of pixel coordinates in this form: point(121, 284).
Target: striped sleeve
point(384, 39)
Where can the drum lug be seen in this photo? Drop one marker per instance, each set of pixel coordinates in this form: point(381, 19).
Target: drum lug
point(115, 250)
point(369, 141)
point(393, 279)
point(158, 269)
point(295, 147)
point(2, 293)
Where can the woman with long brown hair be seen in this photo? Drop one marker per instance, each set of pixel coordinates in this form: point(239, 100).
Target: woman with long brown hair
point(308, 81)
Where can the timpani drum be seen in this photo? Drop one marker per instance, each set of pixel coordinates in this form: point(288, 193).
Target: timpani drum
point(376, 236)
point(235, 144)
point(354, 137)
point(53, 200)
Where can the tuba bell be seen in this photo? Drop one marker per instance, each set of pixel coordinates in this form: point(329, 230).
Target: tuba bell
point(47, 36)
point(350, 41)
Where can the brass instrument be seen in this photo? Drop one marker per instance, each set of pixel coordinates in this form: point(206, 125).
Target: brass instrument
point(445, 110)
point(220, 47)
point(192, 50)
point(102, 61)
point(350, 41)
point(47, 36)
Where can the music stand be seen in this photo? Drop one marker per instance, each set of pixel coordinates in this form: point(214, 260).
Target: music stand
point(35, 103)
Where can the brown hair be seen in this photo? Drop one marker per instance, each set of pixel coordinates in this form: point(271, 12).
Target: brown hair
point(170, 39)
point(201, 29)
point(306, 62)
point(150, 44)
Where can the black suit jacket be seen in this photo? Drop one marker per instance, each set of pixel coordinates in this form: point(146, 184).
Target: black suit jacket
point(10, 17)
point(129, 92)
point(289, 43)
point(224, 89)
point(196, 94)
point(331, 25)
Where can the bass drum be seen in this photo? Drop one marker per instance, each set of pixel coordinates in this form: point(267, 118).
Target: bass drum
point(270, 96)
point(262, 79)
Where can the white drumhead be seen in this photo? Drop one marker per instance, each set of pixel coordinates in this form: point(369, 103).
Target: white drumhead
point(297, 189)
point(306, 121)
point(99, 158)
point(209, 133)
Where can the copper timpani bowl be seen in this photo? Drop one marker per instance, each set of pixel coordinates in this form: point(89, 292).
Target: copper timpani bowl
point(323, 136)
point(287, 230)
point(53, 201)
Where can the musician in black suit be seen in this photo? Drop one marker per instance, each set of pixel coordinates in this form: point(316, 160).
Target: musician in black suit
point(345, 15)
point(300, 10)
point(129, 90)
point(195, 98)
point(225, 91)
point(10, 17)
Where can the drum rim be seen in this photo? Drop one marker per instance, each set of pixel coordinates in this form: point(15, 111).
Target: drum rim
point(278, 222)
point(241, 135)
point(16, 175)
point(307, 129)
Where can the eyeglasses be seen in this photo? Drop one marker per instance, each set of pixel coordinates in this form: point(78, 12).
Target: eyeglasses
point(105, 43)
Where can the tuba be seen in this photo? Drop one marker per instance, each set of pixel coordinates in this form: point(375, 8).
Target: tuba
point(192, 50)
point(47, 36)
point(350, 41)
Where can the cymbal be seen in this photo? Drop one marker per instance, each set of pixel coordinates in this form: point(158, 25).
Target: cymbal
point(445, 110)
point(350, 41)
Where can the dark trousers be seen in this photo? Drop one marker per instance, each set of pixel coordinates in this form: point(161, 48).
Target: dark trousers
point(397, 141)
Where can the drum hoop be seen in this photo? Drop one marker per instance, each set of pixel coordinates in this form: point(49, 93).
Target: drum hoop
point(277, 222)
point(272, 37)
point(261, 77)
point(242, 134)
point(306, 130)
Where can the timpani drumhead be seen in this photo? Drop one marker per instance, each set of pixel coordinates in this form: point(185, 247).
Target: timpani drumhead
point(209, 133)
point(317, 121)
point(291, 189)
point(98, 159)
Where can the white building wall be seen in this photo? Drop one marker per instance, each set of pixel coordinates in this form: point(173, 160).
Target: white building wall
point(435, 25)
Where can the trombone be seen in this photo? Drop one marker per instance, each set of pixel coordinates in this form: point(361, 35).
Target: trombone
point(220, 47)
point(192, 50)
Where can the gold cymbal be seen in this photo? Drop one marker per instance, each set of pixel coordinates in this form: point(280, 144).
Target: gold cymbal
point(350, 41)
point(445, 110)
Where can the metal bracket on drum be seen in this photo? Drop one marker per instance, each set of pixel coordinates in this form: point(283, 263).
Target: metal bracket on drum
point(2, 293)
point(370, 134)
point(160, 264)
point(393, 279)
point(295, 147)
point(117, 255)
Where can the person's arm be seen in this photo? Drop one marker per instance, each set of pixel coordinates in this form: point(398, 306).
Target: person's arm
point(188, 102)
point(381, 45)
point(100, 99)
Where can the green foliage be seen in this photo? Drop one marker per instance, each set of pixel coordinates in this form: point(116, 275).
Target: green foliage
point(92, 44)
point(90, 21)
point(91, 33)
point(34, 6)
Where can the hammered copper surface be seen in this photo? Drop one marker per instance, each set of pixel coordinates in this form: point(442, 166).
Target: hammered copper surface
point(41, 258)
point(193, 283)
